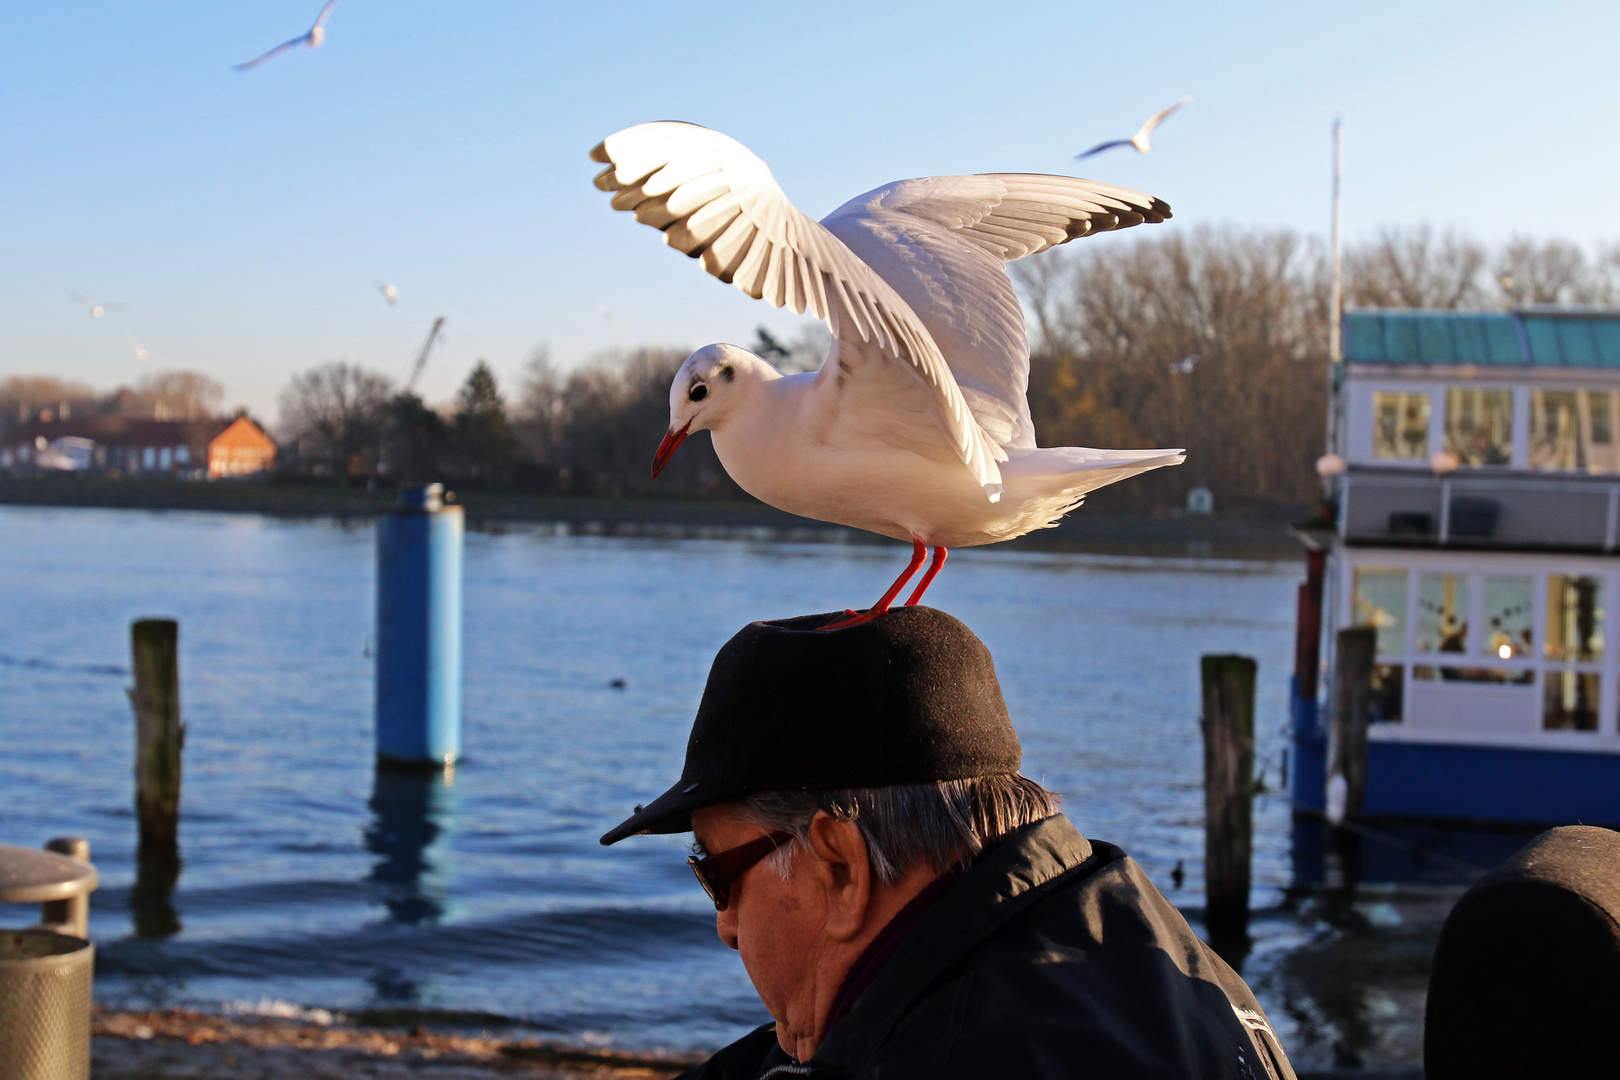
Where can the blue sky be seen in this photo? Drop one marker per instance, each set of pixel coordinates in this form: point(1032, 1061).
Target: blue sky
point(442, 147)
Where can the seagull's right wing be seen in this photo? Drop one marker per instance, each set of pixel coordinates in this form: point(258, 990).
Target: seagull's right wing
point(717, 202)
point(1154, 120)
point(320, 20)
point(278, 50)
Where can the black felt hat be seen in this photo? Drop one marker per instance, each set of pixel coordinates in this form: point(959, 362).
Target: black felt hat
point(909, 698)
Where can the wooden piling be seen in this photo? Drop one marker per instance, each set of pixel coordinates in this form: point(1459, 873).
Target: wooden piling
point(1228, 727)
point(159, 734)
point(1347, 730)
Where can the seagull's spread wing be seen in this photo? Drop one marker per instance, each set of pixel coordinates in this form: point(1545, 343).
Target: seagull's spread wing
point(717, 202)
point(283, 47)
point(1154, 120)
point(320, 20)
point(942, 243)
point(1100, 147)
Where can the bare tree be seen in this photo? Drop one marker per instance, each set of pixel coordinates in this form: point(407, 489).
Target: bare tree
point(1415, 268)
point(178, 395)
point(1212, 340)
point(335, 417)
point(1529, 271)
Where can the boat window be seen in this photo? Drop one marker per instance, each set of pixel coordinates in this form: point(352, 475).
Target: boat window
point(1384, 704)
point(1571, 701)
point(1574, 618)
point(1401, 425)
point(1510, 604)
point(1574, 430)
point(1479, 425)
point(1442, 613)
point(1380, 602)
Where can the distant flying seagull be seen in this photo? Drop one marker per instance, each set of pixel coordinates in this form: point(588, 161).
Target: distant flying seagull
point(917, 426)
point(390, 293)
point(310, 40)
point(1140, 139)
point(608, 313)
point(96, 308)
point(141, 353)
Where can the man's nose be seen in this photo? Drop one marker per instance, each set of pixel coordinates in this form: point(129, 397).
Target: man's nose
point(725, 924)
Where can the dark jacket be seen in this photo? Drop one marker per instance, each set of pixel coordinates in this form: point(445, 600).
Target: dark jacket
point(1054, 956)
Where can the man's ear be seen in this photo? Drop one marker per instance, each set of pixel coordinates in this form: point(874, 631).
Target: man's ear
point(845, 874)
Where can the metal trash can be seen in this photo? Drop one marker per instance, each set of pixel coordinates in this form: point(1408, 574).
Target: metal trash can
point(46, 970)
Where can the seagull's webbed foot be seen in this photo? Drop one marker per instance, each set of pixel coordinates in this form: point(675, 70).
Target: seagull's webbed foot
point(881, 608)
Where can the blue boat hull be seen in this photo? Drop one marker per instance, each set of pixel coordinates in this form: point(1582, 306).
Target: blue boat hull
point(1473, 784)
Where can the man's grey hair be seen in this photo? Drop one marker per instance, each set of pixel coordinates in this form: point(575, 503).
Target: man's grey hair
point(937, 825)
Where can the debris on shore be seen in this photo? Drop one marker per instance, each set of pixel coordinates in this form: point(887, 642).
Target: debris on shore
point(179, 1044)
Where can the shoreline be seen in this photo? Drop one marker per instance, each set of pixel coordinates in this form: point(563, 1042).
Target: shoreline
point(1263, 536)
point(170, 1044)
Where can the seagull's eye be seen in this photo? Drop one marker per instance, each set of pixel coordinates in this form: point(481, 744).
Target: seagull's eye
point(698, 392)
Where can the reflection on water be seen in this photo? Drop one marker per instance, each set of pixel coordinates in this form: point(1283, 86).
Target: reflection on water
point(413, 813)
point(151, 907)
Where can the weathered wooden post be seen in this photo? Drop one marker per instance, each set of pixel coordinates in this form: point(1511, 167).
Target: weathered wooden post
point(1347, 733)
point(159, 734)
point(419, 630)
point(1228, 726)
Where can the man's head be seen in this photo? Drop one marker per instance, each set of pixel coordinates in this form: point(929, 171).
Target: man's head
point(878, 757)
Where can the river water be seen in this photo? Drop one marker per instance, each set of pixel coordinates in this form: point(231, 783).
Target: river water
point(310, 881)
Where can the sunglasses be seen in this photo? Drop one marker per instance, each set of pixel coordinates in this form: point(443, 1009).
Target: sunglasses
point(718, 872)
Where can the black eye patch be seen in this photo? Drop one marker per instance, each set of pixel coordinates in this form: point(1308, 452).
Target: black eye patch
point(698, 392)
point(728, 373)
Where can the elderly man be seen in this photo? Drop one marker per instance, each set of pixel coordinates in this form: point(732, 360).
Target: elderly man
point(909, 906)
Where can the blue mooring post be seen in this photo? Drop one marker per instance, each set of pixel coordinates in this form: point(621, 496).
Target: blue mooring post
point(419, 630)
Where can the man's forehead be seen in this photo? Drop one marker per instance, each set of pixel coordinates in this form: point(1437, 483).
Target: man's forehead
point(714, 824)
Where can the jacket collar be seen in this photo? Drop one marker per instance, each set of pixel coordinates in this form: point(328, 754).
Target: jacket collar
point(1024, 867)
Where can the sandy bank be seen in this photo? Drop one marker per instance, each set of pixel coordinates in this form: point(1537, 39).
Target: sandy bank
point(174, 1044)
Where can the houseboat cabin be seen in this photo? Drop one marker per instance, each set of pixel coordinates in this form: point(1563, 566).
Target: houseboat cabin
point(1476, 470)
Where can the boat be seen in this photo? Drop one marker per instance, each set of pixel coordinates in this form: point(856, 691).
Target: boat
point(1472, 520)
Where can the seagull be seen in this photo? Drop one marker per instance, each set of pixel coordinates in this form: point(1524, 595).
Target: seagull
point(310, 40)
point(608, 313)
point(137, 348)
point(1140, 139)
point(96, 308)
point(390, 293)
point(917, 426)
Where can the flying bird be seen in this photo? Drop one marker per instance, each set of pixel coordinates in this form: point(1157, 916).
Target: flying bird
point(311, 39)
point(917, 426)
point(1140, 139)
point(135, 345)
point(96, 308)
point(389, 292)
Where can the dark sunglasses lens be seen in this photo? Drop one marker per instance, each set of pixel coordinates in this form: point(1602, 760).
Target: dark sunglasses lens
point(717, 894)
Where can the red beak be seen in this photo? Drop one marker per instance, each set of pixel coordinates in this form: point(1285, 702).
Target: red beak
point(667, 448)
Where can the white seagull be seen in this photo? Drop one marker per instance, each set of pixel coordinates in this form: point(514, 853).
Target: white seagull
point(1140, 139)
point(310, 39)
point(96, 308)
point(917, 426)
point(389, 292)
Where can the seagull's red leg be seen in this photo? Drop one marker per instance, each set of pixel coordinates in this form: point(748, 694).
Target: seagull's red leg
point(881, 608)
point(928, 578)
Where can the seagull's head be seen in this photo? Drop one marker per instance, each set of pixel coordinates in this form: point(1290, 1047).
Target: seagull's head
point(317, 35)
point(706, 391)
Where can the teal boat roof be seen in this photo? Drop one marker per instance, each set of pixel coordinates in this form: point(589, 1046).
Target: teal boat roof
point(1524, 338)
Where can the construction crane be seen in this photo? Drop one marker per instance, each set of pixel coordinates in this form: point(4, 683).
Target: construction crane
point(433, 338)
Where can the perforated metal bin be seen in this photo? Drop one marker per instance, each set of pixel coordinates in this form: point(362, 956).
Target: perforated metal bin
point(46, 970)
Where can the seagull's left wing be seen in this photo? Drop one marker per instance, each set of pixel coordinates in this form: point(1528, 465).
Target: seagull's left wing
point(1154, 120)
point(717, 202)
point(320, 20)
point(278, 50)
point(1100, 147)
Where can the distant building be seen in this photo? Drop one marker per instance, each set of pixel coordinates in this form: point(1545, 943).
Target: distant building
point(242, 449)
point(183, 449)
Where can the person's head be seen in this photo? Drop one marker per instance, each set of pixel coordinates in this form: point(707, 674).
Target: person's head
point(830, 777)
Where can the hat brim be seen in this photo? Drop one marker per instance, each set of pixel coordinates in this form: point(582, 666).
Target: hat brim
point(672, 811)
